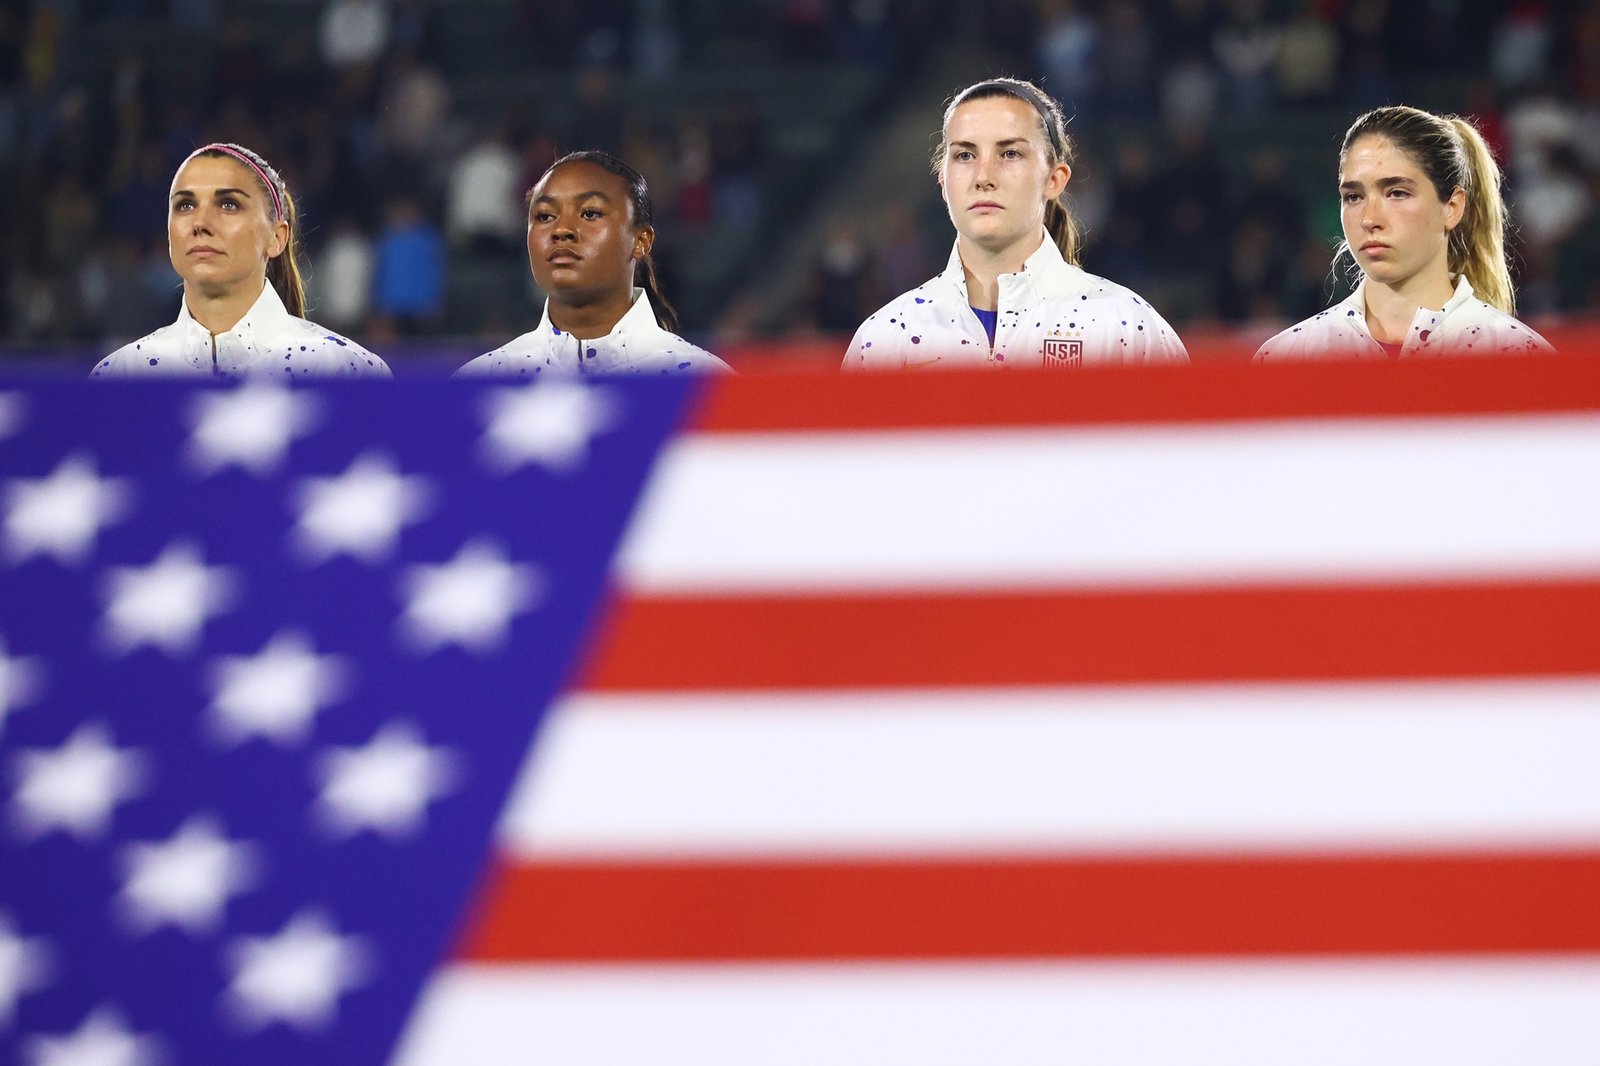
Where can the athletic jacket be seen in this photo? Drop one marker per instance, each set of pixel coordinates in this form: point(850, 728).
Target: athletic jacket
point(1465, 326)
point(1051, 314)
point(267, 341)
point(636, 345)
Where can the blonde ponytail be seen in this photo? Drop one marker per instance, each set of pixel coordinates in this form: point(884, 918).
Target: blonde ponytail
point(1478, 243)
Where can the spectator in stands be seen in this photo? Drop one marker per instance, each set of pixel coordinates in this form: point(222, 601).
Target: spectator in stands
point(1012, 294)
point(1246, 46)
point(409, 269)
point(119, 300)
point(590, 231)
point(1577, 266)
point(1425, 225)
point(415, 105)
point(1068, 48)
point(233, 234)
point(597, 117)
point(1127, 58)
point(138, 203)
point(343, 278)
point(482, 214)
point(1308, 57)
point(354, 32)
point(841, 280)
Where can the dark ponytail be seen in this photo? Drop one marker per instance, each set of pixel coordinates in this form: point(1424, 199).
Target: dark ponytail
point(283, 269)
point(1058, 221)
point(644, 271)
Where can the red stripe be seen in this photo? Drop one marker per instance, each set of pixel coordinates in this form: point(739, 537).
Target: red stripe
point(1041, 908)
point(1025, 638)
point(1209, 393)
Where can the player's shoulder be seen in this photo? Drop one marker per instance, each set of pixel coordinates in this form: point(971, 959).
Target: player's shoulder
point(139, 356)
point(885, 333)
point(526, 355)
point(654, 350)
point(1103, 310)
point(1501, 332)
point(314, 350)
point(1311, 336)
point(912, 307)
point(1093, 292)
point(679, 356)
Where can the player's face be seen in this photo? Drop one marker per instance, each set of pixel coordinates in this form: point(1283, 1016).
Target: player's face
point(1393, 219)
point(997, 172)
point(220, 231)
point(582, 244)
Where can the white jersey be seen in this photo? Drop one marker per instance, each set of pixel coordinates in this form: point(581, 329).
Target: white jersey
point(268, 340)
point(636, 345)
point(1051, 314)
point(1464, 326)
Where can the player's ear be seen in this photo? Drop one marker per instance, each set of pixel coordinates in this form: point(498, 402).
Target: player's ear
point(644, 239)
point(1060, 174)
point(1455, 208)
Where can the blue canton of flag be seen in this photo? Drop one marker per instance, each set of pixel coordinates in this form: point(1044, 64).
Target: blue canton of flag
point(269, 662)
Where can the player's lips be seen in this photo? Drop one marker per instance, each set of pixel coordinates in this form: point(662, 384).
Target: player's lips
point(204, 251)
point(563, 255)
point(1373, 247)
point(985, 205)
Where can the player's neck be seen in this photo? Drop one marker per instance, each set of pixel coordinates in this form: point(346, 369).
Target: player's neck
point(592, 319)
point(220, 310)
point(983, 267)
point(1391, 308)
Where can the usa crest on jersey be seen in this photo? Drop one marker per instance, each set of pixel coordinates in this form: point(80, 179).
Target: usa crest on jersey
point(1062, 352)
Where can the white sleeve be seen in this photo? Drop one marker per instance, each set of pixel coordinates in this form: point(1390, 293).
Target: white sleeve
point(338, 357)
point(874, 348)
point(1163, 345)
point(363, 363)
point(1519, 338)
point(127, 361)
point(695, 360)
point(1288, 346)
point(112, 366)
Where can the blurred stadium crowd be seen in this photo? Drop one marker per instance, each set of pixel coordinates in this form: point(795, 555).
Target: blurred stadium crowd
point(410, 129)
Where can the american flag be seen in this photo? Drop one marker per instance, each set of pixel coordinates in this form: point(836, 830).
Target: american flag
point(1211, 714)
point(269, 663)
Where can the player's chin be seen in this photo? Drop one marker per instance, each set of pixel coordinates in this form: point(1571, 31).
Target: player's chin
point(987, 226)
point(1380, 271)
point(992, 235)
point(562, 279)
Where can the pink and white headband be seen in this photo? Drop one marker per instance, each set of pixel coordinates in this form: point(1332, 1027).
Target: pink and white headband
point(228, 149)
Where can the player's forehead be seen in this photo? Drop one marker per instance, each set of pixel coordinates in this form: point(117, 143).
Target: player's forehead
point(581, 179)
point(991, 119)
point(207, 172)
point(1373, 157)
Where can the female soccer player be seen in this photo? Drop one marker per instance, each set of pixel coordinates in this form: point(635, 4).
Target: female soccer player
point(1425, 225)
point(1012, 294)
point(589, 237)
point(233, 235)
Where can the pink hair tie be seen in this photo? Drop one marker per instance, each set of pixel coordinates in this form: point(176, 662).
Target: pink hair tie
point(228, 149)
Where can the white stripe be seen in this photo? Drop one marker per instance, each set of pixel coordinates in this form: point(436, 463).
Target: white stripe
point(1274, 767)
point(1478, 1012)
point(1259, 501)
